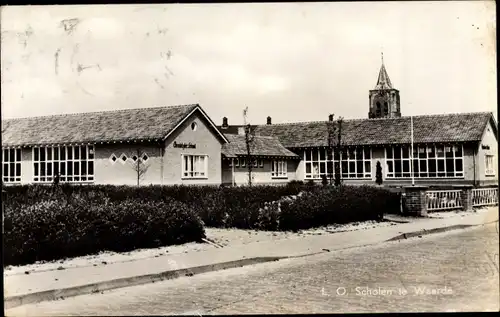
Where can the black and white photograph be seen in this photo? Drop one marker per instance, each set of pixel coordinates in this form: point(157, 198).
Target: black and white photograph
point(249, 158)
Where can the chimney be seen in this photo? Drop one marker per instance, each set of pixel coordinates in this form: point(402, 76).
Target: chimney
point(269, 120)
point(224, 123)
point(330, 118)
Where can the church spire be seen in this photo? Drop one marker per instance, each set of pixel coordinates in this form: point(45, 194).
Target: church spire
point(384, 99)
point(383, 82)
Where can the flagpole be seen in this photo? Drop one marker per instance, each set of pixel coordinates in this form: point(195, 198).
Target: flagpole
point(411, 163)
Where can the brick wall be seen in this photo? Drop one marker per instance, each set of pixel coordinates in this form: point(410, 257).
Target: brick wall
point(415, 200)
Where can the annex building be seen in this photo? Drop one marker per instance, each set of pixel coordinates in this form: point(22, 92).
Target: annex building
point(182, 145)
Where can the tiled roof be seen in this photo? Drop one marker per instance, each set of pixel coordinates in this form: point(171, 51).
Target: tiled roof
point(460, 127)
point(261, 146)
point(107, 126)
point(232, 129)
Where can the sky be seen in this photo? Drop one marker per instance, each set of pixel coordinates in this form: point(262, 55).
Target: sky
point(291, 61)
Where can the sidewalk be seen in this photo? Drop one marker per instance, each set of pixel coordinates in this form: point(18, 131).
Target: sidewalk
point(55, 282)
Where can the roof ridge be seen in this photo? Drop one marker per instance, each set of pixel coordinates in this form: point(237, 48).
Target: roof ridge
point(102, 111)
point(451, 114)
point(257, 136)
point(398, 118)
point(290, 123)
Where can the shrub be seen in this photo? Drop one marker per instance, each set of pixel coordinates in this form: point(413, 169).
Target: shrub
point(310, 185)
point(55, 229)
point(378, 174)
point(329, 205)
point(294, 187)
point(217, 206)
point(268, 217)
point(324, 180)
point(46, 222)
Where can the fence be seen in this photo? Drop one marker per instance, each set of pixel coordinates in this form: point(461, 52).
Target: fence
point(484, 196)
point(444, 199)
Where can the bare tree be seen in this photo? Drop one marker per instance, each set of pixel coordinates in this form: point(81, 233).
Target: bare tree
point(339, 147)
point(334, 130)
point(331, 128)
point(249, 139)
point(140, 166)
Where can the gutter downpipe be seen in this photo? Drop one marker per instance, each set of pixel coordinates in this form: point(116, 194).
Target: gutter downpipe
point(232, 173)
point(474, 164)
point(411, 163)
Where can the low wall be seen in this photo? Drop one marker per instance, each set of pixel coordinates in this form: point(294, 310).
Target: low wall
point(420, 200)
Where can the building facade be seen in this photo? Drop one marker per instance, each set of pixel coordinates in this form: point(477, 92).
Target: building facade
point(162, 145)
point(447, 149)
point(182, 145)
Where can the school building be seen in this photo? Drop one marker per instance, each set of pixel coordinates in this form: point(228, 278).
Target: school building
point(182, 145)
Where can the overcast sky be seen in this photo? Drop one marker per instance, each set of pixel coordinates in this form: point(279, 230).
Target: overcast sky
point(294, 62)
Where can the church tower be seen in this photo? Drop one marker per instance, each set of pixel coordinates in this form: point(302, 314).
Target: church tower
point(384, 99)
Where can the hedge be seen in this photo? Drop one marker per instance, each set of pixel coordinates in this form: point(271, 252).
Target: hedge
point(47, 223)
point(55, 229)
point(335, 205)
point(217, 206)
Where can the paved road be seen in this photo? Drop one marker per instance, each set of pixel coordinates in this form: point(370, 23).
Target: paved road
point(454, 271)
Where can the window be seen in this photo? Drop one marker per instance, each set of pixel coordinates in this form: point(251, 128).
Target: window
point(255, 163)
point(279, 169)
point(11, 165)
point(194, 166)
point(73, 163)
point(427, 161)
point(352, 162)
point(490, 169)
point(194, 126)
point(123, 158)
point(113, 159)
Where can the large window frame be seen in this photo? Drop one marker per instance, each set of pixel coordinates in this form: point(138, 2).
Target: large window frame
point(489, 167)
point(429, 161)
point(353, 162)
point(279, 169)
point(194, 166)
point(257, 163)
point(74, 163)
point(11, 165)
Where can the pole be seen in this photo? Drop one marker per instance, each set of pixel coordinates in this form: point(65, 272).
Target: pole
point(411, 163)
